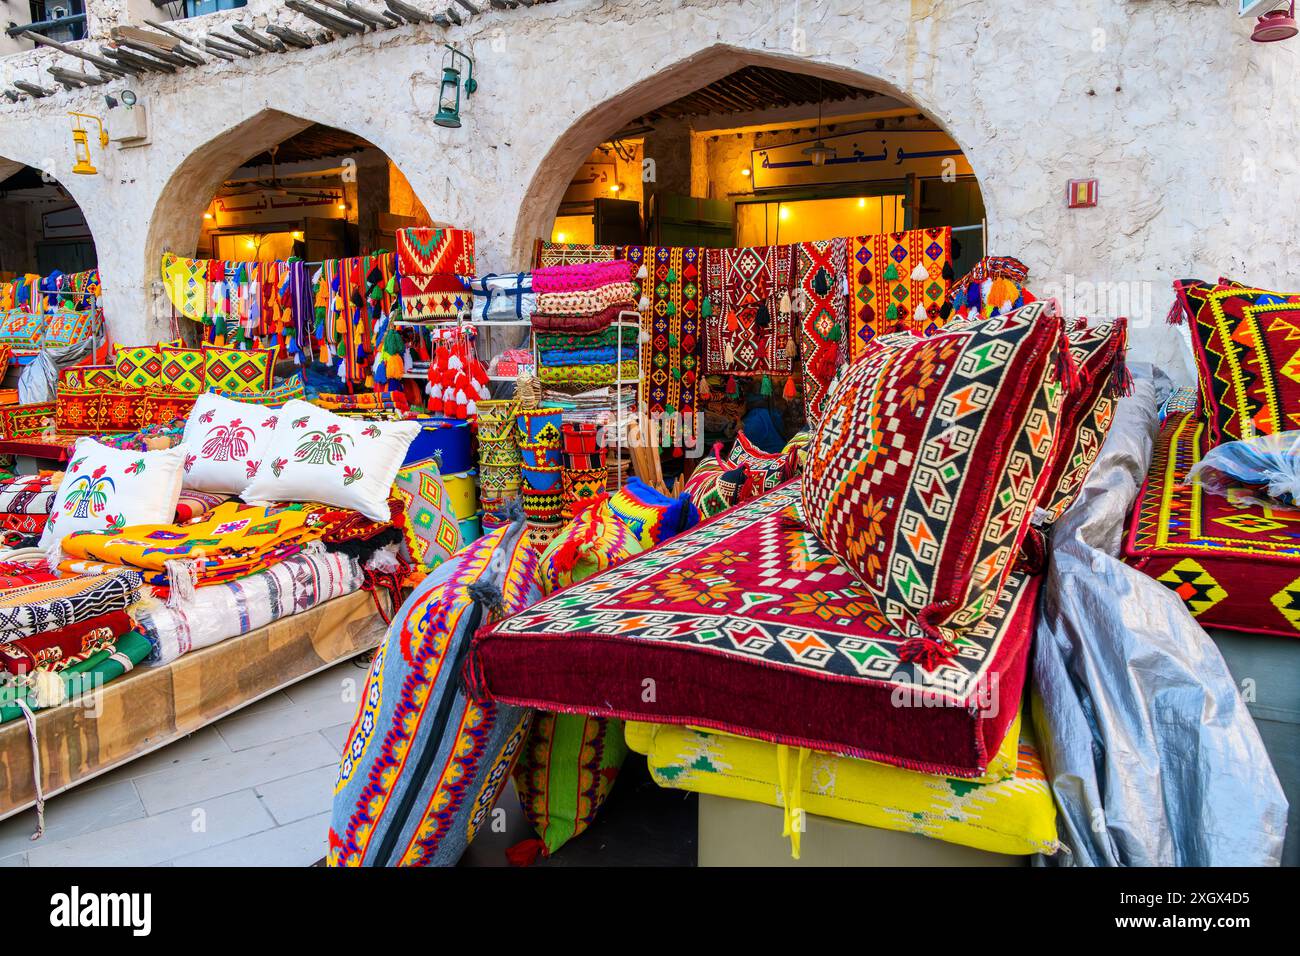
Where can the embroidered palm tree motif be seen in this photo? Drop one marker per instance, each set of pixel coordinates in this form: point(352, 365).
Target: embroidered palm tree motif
point(227, 442)
point(277, 466)
point(89, 493)
point(326, 447)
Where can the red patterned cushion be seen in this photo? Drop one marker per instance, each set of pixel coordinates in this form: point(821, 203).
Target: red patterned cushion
point(775, 467)
point(1097, 353)
point(117, 410)
point(1235, 565)
point(1247, 344)
point(926, 469)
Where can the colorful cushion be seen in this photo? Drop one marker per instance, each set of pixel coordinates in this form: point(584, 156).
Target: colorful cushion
point(57, 649)
point(1097, 353)
point(1246, 350)
point(747, 623)
point(182, 369)
point(315, 455)
point(139, 367)
point(431, 531)
point(925, 472)
point(652, 516)
point(88, 377)
point(275, 397)
point(423, 765)
point(1012, 814)
point(714, 485)
point(105, 489)
point(237, 370)
point(118, 410)
point(22, 330)
point(225, 443)
point(67, 327)
point(27, 421)
point(773, 466)
point(1235, 565)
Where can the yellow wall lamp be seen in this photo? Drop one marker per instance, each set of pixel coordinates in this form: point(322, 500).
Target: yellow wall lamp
point(81, 143)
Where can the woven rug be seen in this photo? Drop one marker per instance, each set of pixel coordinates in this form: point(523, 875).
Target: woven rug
point(1235, 565)
point(431, 262)
point(821, 275)
point(748, 332)
point(748, 625)
point(670, 361)
point(894, 274)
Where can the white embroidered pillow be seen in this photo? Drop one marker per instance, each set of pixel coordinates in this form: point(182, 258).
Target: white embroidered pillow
point(105, 489)
point(227, 441)
point(315, 455)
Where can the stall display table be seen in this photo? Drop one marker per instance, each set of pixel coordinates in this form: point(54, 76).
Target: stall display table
point(152, 706)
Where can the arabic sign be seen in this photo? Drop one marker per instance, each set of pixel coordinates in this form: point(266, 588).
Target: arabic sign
point(860, 157)
point(266, 206)
point(591, 182)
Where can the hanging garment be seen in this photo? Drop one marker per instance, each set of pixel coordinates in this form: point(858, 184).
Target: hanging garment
point(431, 263)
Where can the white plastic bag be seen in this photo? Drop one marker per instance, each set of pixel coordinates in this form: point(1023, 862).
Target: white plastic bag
point(1268, 467)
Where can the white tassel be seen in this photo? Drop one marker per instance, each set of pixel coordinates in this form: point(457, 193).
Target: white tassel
point(54, 554)
point(384, 561)
point(182, 580)
point(920, 314)
point(643, 305)
point(919, 274)
point(643, 272)
point(48, 689)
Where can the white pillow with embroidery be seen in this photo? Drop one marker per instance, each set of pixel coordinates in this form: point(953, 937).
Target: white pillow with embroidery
point(315, 455)
point(105, 489)
point(227, 441)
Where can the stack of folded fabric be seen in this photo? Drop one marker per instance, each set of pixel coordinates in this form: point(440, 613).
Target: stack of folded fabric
point(578, 310)
point(585, 471)
point(499, 460)
point(62, 637)
point(542, 469)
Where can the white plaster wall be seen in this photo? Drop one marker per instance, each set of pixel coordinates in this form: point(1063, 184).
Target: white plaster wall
point(1190, 127)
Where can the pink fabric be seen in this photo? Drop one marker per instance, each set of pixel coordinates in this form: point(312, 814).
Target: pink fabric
point(582, 276)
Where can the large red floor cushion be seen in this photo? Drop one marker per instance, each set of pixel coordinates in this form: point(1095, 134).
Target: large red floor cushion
point(748, 624)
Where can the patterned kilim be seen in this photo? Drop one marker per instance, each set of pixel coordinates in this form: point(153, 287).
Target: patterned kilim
point(287, 391)
point(186, 281)
point(671, 359)
point(1235, 565)
point(22, 330)
point(88, 377)
point(139, 367)
point(820, 276)
point(182, 370)
point(430, 263)
point(749, 330)
point(1248, 353)
point(67, 327)
point(925, 472)
point(237, 370)
point(748, 624)
point(892, 275)
point(563, 254)
point(431, 530)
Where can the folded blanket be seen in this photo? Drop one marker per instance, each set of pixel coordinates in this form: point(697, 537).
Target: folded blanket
point(588, 301)
point(227, 610)
point(57, 650)
point(580, 276)
point(16, 574)
point(27, 495)
point(195, 504)
point(551, 341)
point(109, 662)
point(606, 355)
point(582, 324)
point(37, 608)
point(587, 376)
point(234, 537)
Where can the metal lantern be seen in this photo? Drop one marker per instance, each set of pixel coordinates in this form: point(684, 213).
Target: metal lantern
point(81, 143)
point(1275, 25)
point(449, 92)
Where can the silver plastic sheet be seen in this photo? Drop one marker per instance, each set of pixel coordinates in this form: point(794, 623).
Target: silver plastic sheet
point(1153, 757)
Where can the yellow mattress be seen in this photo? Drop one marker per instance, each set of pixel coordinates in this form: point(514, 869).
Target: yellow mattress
point(1003, 812)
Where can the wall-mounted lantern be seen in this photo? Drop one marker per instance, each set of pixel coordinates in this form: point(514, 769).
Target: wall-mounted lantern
point(448, 115)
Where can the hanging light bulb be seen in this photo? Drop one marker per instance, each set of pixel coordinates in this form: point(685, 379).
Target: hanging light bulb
point(819, 152)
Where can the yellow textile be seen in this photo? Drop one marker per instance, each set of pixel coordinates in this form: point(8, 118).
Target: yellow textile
point(1012, 816)
point(186, 281)
point(233, 534)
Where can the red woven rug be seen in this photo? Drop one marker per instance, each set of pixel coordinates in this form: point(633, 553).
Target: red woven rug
point(746, 624)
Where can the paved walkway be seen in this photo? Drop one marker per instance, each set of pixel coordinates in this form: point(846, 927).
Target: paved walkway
point(255, 789)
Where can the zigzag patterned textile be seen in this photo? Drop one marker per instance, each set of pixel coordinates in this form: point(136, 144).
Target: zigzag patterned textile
point(899, 281)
